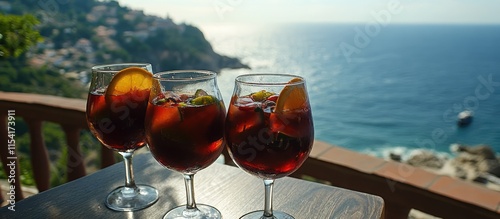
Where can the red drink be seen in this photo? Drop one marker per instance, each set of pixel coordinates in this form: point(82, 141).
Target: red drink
point(118, 120)
point(183, 136)
point(267, 143)
point(116, 109)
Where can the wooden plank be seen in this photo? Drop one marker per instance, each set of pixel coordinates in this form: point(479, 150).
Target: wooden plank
point(397, 192)
point(61, 110)
point(227, 188)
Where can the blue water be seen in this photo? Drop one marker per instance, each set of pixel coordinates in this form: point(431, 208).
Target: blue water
point(395, 87)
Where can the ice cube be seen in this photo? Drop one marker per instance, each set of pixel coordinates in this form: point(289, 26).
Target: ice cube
point(268, 106)
point(247, 103)
point(168, 97)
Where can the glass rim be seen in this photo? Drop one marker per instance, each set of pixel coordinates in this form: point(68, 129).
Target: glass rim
point(204, 75)
point(130, 64)
point(239, 79)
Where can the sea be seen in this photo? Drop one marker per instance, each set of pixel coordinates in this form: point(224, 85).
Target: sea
point(380, 88)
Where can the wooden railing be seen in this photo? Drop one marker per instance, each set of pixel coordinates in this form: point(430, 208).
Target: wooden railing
point(402, 187)
point(36, 109)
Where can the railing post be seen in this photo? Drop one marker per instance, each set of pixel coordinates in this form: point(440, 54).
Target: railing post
point(4, 155)
point(107, 157)
point(395, 211)
point(227, 157)
point(75, 164)
point(39, 155)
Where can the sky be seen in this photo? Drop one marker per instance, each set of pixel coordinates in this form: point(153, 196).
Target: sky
point(223, 12)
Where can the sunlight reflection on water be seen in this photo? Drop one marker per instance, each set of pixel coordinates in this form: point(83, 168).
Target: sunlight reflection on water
point(392, 94)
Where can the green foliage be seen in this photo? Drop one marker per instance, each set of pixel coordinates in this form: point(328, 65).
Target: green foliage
point(26, 169)
point(26, 172)
point(18, 34)
point(58, 173)
point(18, 78)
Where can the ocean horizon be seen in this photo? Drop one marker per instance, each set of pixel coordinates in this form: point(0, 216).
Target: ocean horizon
point(381, 89)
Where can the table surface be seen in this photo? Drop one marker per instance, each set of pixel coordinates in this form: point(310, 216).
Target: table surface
point(228, 188)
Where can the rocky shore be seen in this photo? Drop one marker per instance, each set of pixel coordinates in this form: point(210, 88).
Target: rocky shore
point(478, 164)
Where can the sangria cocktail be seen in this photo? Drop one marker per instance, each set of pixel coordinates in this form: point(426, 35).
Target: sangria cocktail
point(269, 129)
point(184, 129)
point(116, 109)
point(118, 120)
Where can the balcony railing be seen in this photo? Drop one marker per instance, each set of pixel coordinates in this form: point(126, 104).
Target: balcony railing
point(402, 187)
point(36, 109)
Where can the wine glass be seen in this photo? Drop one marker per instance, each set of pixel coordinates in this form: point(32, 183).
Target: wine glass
point(269, 130)
point(115, 117)
point(184, 130)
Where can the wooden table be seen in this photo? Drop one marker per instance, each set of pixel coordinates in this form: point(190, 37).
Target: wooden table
point(228, 188)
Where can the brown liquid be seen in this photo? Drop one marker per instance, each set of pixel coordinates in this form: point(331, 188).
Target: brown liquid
point(268, 144)
point(118, 122)
point(187, 138)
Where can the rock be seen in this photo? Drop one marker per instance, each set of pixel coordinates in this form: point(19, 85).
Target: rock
point(488, 165)
point(426, 159)
point(478, 164)
point(480, 179)
point(231, 63)
point(395, 157)
point(473, 162)
point(459, 173)
point(482, 151)
point(488, 180)
point(495, 171)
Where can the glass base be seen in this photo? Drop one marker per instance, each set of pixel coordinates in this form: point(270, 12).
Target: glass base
point(126, 199)
point(202, 212)
point(260, 215)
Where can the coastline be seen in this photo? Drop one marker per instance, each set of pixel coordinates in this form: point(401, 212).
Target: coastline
point(475, 163)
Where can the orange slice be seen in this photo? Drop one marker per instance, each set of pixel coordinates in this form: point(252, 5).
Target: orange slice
point(155, 89)
point(291, 97)
point(129, 86)
point(130, 79)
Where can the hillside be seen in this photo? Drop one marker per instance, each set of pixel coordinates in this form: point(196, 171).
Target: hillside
point(81, 33)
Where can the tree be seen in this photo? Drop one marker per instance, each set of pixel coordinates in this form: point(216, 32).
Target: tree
point(18, 34)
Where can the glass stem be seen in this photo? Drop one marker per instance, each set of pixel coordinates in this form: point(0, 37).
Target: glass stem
point(268, 204)
point(189, 181)
point(130, 187)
